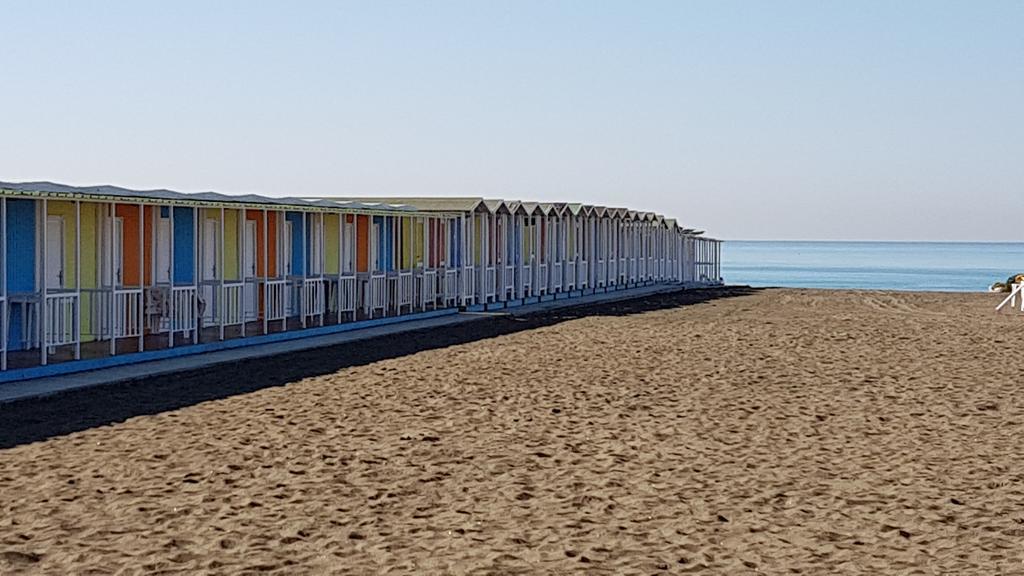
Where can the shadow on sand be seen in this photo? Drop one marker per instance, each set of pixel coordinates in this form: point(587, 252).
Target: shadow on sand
point(32, 420)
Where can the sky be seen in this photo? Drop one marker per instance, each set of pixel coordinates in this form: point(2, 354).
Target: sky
point(821, 120)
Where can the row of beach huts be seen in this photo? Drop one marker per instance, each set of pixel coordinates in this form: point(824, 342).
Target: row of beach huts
point(98, 276)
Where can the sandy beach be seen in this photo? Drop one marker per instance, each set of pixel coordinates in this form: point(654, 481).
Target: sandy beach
point(723, 432)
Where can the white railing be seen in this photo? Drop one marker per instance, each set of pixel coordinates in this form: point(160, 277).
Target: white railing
point(231, 304)
point(406, 290)
point(61, 319)
point(275, 306)
point(556, 276)
point(184, 315)
point(510, 281)
point(613, 275)
point(428, 288)
point(127, 312)
point(468, 285)
point(623, 270)
point(570, 275)
point(250, 299)
point(542, 277)
point(583, 275)
point(115, 313)
point(632, 269)
point(526, 277)
point(378, 292)
point(393, 290)
point(641, 273)
point(451, 287)
point(490, 283)
point(600, 274)
point(208, 294)
point(314, 298)
point(346, 295)
point(651, 273)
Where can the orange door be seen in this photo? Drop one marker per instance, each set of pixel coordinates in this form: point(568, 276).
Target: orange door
point(130, 244)
point(362, 243)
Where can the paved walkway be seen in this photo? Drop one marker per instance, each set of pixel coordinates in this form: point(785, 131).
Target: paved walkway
point(13, 391)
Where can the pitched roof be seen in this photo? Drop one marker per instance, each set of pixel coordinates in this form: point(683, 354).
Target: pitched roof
point(117, 193)
point(421, 203)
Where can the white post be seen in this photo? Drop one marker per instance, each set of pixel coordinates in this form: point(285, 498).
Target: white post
point(78, 282)
point(42, 284)
point(341, 253)
point(170, 278)
point(219, 298)
point(281, 262)
point(485, 254)
point(240, 261)
point(266, 275)
point(142, 275)
point(112, 211)
point(3, 281)
point(321, 265)
point(718, 260)
point(304, 271)
point(464, 257)
point(195, 274)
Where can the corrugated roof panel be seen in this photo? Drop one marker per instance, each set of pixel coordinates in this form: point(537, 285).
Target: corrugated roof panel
point(116, 192)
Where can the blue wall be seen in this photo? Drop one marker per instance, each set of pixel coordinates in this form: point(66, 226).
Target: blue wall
point(296, 219)
point(184, 245)
point(455, 243)
point(20, 258)
point(21, 245)
point(516, 249)
point(384, 245)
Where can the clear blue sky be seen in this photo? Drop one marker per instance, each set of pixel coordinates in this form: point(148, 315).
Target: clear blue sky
point(779, 120)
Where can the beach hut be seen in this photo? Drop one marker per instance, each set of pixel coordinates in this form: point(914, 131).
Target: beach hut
point(102, 271)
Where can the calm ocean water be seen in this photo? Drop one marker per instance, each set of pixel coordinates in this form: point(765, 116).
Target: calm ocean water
point(933, 266)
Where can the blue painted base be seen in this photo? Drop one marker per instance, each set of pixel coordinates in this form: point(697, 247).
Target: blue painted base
point(74, 366)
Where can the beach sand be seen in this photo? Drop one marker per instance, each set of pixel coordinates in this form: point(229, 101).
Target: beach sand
point(733, 432)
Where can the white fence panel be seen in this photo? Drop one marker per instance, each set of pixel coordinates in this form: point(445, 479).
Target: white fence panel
point(314, 297)
point(128, 312)
point(490, 283)
point(406, 290)
point(378, 292)
point(468, 285)
point(428, 288)
point(184, 315)
point(231, 306)
point(347, 294)
point(510, 281)
point(275, 305)
point(61, 315)
point(451, 287)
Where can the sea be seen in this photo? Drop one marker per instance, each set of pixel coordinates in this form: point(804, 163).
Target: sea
point(918, 266)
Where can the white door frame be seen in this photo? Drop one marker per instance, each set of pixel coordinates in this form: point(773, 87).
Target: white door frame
point(54, 261)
